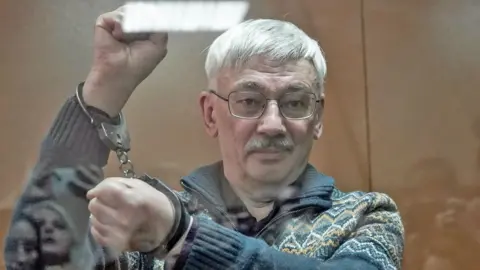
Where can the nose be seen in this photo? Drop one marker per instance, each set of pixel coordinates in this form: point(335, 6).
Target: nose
point(271, 122)
point(47, 228)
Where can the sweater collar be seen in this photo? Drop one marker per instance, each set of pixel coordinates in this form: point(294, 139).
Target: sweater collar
point(314, 188)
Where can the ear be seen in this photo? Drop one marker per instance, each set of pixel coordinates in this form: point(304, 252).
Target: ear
point(318, 131)
point(208, 117)
point(318, 128)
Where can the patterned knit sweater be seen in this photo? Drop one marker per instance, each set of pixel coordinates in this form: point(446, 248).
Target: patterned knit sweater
point(317, 227)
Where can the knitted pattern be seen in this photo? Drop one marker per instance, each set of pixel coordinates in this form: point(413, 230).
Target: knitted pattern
point(365, 225)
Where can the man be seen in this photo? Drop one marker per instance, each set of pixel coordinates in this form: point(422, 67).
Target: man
point(262, 207)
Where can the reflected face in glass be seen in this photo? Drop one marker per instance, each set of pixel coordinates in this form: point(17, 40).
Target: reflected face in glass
point(437, 263)
point(56, 239)
point(473, 218)
point(267, 127)
point(22, 252)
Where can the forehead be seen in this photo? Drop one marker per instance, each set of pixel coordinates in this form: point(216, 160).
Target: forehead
point(22, 228)
point(269, 76)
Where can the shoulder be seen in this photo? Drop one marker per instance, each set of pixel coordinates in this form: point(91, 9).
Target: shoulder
point(375, 220)
point(367, 201)
point(374, 210)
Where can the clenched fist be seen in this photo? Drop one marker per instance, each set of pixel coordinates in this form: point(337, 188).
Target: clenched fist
point(120, 62)
point(129, 215)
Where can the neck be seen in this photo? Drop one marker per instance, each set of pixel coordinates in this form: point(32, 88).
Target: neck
point(236, 195)
point(256, 207)
point(257, 197)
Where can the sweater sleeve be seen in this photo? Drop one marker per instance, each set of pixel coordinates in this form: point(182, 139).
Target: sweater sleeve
point(50, 222)
point(378, 244)
point(72, 140)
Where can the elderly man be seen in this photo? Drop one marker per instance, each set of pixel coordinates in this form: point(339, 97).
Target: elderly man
point(263, 206)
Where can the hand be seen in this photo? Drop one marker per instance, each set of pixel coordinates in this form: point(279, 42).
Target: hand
point(120, 63)
point(129, 215)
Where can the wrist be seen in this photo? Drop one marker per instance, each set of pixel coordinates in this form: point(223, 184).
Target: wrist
point(177, 248)
point(181, 220)
point(106, 92)
point(178, 259)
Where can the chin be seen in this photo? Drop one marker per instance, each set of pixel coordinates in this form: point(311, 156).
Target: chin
point(269, 172)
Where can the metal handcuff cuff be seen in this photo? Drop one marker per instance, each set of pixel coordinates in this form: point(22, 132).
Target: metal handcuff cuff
point(117, 139)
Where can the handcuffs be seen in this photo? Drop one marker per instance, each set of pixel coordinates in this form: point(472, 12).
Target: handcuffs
point(117, 138)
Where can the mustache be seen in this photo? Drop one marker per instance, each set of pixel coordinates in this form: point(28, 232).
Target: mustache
point(280, 143)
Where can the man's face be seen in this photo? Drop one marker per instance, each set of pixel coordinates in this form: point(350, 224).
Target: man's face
point(271, 148)
point(22, 254)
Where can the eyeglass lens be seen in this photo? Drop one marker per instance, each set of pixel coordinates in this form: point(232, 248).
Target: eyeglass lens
point(250, 104)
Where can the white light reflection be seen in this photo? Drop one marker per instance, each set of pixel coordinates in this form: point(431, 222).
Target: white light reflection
point(182, 16)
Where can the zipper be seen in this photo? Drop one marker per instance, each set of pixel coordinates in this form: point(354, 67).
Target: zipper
point(224, 215)
point(279, 217)
point(205, 199)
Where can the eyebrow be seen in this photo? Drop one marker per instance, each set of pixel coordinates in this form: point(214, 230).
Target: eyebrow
point(254, 86)
point(249, 85)
point(297, 87)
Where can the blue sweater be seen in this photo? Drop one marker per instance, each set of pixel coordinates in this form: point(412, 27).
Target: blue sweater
point(318, 227)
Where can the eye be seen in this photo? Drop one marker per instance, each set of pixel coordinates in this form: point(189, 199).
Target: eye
point(59, 225)
point(248, 101)
point(29, 246)
point(295, 103)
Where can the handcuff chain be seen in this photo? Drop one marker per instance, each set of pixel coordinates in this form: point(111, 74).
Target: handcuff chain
point(126, 165)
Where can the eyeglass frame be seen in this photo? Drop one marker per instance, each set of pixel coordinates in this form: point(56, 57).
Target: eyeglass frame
point(227, 99)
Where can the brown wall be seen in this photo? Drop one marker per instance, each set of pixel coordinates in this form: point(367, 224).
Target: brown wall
point(401, 117)
point(423, 66)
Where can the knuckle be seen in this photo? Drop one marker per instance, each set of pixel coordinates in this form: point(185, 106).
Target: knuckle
point(92, 206)
point(111, 188)
point(100, 239)
point(130, 197)
point(165, 37)
point(121, 8)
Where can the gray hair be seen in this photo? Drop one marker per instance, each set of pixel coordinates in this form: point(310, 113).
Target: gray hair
point(277, 40)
